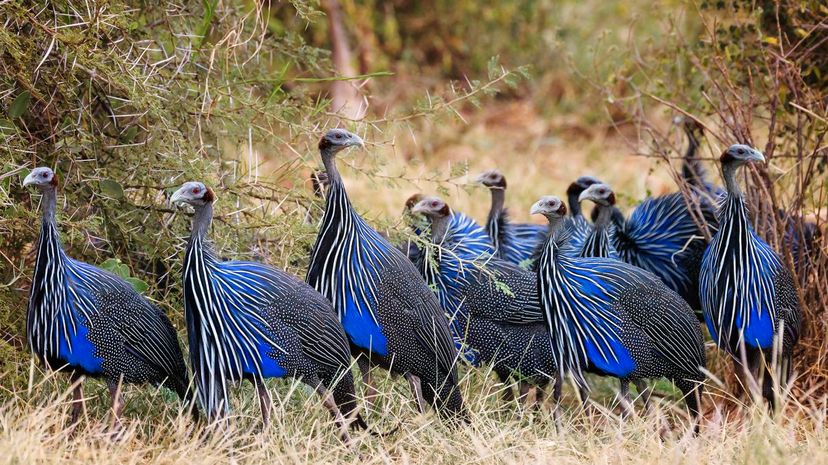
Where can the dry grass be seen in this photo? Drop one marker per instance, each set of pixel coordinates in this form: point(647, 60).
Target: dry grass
point(33, 429)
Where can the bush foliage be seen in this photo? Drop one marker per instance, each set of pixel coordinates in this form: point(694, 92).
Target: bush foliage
point(753, 74)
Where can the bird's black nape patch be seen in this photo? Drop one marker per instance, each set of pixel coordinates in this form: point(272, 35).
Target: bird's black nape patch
point(611, 198)
point(562, 209)
point(413, 200)
point(726, 157)
point(324, 143)
point(209, 196)
point(574, 189)
point(444, 211)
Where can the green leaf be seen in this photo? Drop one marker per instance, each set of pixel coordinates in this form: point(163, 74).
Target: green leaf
point(110, 264)
point(137, 284)
point(7, 127)
point(20, 104)
point(116, 267)
point(112, 189)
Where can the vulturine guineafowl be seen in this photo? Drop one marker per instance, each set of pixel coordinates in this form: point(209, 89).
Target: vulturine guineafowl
point(801, 237)
point(748, 296)
point(494, 305)
point(660, 236)
point(90, 322)
point(390, 315)
point(580, 229)
point(248, 320)
point(614, 319)
point(514, 242)
point(598, 242)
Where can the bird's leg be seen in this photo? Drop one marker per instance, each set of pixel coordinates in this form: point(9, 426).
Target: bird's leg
point(417, 389)
point(265, 401)
point(583, 393)
point(692, 397)
point(78, 403)
point(117, 395)
point(371, 392)
point(557, 387)
point(645, 392)
point(540, 396)
point(624, 399)
point(524, 389)
point(769, 392)
point(329, 403)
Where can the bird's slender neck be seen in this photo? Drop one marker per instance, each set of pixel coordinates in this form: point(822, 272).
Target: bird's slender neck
point(49, 207)
point(729, 174)
point(692, 144)
point(439, 228)
point(552, 241)
point(49, 244)
point(329, 161)
point(201, 220)
point(574, 204)
point(604, 216)
point(498, 199)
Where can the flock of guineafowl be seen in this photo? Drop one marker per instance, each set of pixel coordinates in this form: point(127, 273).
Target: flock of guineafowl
point(617, 296)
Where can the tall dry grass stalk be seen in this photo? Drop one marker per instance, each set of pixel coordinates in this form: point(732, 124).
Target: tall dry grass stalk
point(34, 429)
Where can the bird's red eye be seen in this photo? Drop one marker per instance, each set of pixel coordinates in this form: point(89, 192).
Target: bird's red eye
point(339, 136)
point(195, 190)
point(434, 204)
point(44, 175)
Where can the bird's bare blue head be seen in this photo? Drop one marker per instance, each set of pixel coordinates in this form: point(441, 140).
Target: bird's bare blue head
point(193, 193)
point(581, 184)
point(493, 179)
point(42, 177)
point(432, 207)
point(337, 139)
point(738, 154)
point(549, 206)
point(599, 193)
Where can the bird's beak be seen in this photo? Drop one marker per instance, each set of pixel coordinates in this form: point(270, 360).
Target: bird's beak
point(536, 209)
point(177, 197)
point(585, 195)
point(418, 209)
point(358, 141)
point(480, 178)
point(29, 180)
point(756, 155)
